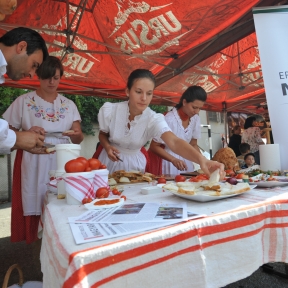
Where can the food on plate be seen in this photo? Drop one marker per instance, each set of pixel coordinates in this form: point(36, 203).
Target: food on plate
point(115, 191)
point(227, 157)
point(122, 176)
point(199, 178)
point(102, 192)
point(240, 176)
point(124, 197)
point(106, 202)
point(124, 180)
point(214, 178)
point(147, 178)
point(230, 173)
point(112, 182)
point(61, 196)
point(232, 180)
point(161, 180)
point(180, 178)
point(87, 200)
point(195, 189)
point(245, 178)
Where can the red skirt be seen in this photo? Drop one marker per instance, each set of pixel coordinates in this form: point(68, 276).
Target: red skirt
point(155, 164)
point(22, 227)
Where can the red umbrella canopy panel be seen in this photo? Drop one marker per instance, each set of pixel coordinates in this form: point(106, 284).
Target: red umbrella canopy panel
point(101, 42)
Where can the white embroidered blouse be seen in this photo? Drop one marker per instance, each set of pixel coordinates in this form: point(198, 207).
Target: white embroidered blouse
point(192, 131)
point(113, 118)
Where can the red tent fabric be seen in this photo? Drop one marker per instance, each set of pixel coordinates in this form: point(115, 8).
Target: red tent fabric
point(101, 42)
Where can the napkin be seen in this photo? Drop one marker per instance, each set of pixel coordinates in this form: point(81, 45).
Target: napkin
point(81, 187)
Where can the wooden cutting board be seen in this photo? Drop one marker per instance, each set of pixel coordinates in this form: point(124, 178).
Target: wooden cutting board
point(195, 173)
point(168, 177)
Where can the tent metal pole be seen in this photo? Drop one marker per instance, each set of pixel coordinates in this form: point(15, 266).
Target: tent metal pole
point(224, 110)
point(209, 138)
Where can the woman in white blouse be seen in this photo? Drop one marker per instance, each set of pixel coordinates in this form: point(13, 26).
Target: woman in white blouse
point(46, 112)
point(125, 127)
point(184, 122)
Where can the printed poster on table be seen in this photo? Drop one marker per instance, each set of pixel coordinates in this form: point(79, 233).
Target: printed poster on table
point(96, 225)
point(135, 213)
point(271, 30)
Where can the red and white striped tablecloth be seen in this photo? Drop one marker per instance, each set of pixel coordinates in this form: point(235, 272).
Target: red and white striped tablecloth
point(238, 235)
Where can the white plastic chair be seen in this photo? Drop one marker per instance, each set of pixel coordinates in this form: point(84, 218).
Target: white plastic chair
point(21, 284)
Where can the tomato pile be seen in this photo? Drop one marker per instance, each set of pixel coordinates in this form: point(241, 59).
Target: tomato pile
point(180, 178)
point(103, 192)
point(199, 178)
point(81, 164)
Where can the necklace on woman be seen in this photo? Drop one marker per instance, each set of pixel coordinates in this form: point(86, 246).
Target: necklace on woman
point(183, 116)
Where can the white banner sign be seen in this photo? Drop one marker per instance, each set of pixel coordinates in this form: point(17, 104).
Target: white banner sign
point(271, 30)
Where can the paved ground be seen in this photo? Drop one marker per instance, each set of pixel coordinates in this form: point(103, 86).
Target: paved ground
point(27, 256)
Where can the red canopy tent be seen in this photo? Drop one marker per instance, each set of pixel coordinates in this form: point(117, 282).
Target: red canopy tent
point(183, 42)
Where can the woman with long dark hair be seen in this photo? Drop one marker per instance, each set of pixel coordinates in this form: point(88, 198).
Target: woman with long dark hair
point(252, 136)
point(184, 122)
point(125, 128)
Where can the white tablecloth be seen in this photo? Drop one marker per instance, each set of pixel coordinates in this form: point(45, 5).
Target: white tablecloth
point(238, 235)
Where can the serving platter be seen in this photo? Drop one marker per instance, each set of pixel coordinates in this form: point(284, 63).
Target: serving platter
point(206, 198)
point(282, 181)
point(269, 184)
point(91, 206)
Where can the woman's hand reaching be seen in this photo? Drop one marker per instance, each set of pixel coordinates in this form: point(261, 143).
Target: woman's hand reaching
point(179, 164)
point(208, 166)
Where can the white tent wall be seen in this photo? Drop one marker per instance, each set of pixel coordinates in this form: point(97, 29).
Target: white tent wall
point(217, 129)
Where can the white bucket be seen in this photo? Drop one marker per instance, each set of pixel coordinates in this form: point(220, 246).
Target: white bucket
point(65, 153)
point(103, 173)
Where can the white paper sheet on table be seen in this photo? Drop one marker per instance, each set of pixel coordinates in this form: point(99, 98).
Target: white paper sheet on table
point(135, 213)
point(89, 232)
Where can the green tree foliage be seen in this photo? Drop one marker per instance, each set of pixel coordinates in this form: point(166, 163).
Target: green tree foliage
point(88, 106)
point(7, 96)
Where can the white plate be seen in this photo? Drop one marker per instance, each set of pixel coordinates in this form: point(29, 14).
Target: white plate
point(269, 184)
point(206, 198)
point(91, 206)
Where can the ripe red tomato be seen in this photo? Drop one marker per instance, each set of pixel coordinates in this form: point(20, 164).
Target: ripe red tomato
point(102, 192)
point(73, 166)
point(161, 180)
point(230, 173)
point(102, 166)
point(240, 176)
point(94, 164)
point(180, 178)
point(88, 169)
point(84, 161)
point(124, 197)
point(86, 200)
point(115, 192)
